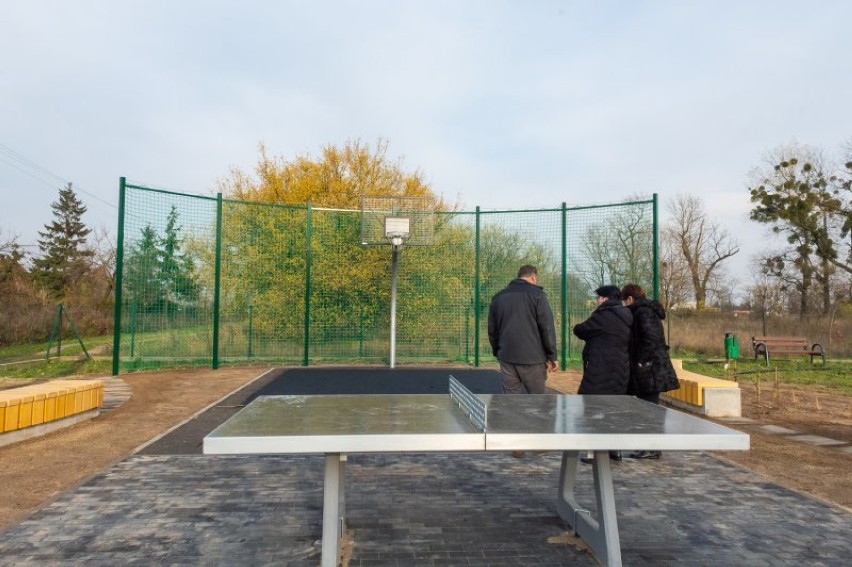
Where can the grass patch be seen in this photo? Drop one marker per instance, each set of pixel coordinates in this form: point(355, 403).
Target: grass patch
point(70, 347)
point(834, 374)
point(57, 369)
point(27, 361)
point(572, 364)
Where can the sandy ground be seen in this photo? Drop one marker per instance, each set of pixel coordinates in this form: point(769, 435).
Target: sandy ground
point(35, 471)
point(822, 472)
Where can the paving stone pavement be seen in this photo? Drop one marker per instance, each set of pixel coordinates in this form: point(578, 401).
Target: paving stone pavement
point(431, 509)
point(817, 440)
point(777, 429)
point(116, 392)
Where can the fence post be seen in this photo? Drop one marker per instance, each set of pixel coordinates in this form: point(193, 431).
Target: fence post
point(564, 338)
point(656, 252)
point(55, 330)
point(119, 269)
point(217, 281)
point(132, 328)
point(467, 335)
point(307, 286)
point(70, 320)
point(476, 316)
point(251, 327)
point(361, 333)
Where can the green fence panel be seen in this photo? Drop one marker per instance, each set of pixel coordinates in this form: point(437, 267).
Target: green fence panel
point(295, 285)
point(167, 290)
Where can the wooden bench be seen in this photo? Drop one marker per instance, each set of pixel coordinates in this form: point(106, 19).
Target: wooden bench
point(764, 346)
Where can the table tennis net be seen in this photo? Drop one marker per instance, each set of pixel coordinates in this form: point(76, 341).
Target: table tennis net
point(475, 409)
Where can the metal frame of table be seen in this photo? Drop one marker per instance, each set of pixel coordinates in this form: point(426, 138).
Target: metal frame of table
point(335, 425)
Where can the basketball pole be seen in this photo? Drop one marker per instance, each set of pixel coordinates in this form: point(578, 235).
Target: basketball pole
point(394, 255)
point(397, 230)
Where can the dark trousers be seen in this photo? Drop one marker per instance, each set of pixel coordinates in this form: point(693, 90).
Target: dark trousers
point(532, 376)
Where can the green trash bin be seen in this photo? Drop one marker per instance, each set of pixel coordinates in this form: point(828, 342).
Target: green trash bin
point(732, 346)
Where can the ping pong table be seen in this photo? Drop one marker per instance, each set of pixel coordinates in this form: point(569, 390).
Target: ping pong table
point(335, 425)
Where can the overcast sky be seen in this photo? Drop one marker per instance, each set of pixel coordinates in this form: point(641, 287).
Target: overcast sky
point(501, 105)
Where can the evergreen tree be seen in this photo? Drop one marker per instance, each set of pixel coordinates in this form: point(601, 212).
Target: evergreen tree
point(141, 268)
point(159, 276)
point(64, 258)
point(177, 272)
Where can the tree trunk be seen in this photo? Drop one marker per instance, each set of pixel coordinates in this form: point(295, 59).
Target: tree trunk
point(699, 290)
point(806, 289)
point(700, 299)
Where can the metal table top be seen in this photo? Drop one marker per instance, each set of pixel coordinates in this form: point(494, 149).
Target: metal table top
point(433, 422)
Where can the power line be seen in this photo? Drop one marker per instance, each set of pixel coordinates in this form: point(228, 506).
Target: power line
point(26, 161)
point(38, 172)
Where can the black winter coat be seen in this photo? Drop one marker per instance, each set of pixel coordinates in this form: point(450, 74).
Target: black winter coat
point(606, 361)
point(520, 324)
point(651, 369)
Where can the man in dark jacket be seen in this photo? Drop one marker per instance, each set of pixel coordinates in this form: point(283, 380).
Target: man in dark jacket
point(606, 358)
point(522, 333)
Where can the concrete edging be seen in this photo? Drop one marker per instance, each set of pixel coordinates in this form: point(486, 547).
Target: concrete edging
point(9, 437)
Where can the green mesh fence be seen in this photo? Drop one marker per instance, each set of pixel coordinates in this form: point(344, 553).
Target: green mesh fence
point(210, 281)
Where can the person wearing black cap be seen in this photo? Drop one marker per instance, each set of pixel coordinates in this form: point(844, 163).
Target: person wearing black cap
point(606, 354)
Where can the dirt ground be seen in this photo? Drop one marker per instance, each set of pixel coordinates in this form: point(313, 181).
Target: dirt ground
point(35, 471)
point(822, 472)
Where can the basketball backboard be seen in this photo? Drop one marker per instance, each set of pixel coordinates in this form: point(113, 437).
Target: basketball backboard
point(397, 220)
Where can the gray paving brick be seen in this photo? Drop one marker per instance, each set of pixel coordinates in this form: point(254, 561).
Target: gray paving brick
point(421, 509)
point(736, 420)
point(817, 440)
point(777, 429)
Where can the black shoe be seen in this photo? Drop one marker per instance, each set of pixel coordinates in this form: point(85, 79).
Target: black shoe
point(646, 455)
point(615, 455)
point(586, 460)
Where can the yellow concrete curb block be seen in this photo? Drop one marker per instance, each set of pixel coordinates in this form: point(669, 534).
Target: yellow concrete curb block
point(703, 394)
point(36, 404)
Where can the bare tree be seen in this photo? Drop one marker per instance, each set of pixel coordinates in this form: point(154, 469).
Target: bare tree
point(767, 294)
point(620, 248)
point(7, 243)
point(20, 302)
point(675, 281)
point(602, 256)
point(103, 259)
point(721, 291)
point(703, 244)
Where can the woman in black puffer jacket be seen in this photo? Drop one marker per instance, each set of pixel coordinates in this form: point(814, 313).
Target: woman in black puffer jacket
point(606, 362)
point(651, 369)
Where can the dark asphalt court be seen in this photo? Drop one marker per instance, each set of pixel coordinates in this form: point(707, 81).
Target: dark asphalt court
point(187, 439)
point(171, 505)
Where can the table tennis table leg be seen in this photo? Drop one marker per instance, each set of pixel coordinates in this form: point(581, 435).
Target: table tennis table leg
point(600, 534)
point(333, 508)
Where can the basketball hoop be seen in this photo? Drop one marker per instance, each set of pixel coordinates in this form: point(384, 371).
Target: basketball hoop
point(397, 230)
point(384, 219)
point(398, 221)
